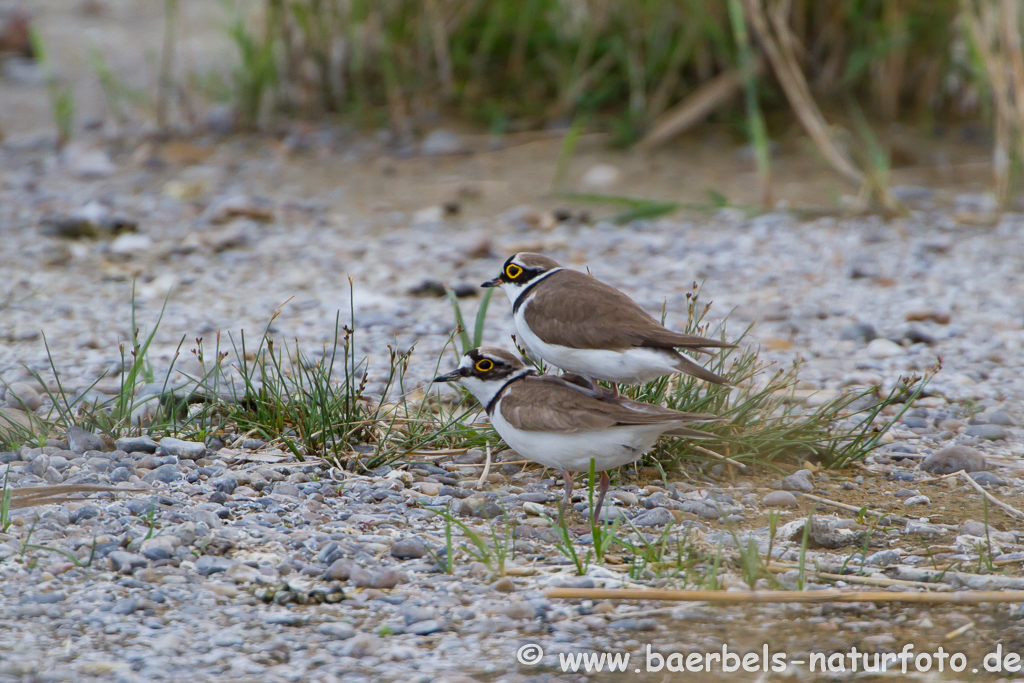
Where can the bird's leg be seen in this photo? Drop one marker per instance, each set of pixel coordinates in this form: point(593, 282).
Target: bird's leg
point(605, 481)
point(567, 498)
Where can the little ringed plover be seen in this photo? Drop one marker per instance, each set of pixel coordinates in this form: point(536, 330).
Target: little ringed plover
point(562, 422)
point(582, 325)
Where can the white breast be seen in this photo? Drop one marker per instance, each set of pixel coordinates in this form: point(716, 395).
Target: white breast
point(632, 366)
point(609, 448)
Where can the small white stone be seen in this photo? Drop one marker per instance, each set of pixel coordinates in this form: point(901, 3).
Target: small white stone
point(884, 348)
point(600, 177)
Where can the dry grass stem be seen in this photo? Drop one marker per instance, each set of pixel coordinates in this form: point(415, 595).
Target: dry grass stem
point(765, 597)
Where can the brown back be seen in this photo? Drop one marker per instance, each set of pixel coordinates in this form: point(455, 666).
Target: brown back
point(550, 404)
point(573, 309)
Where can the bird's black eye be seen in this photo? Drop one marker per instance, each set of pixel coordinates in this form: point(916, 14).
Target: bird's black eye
point(513, 271)
point(485, 365)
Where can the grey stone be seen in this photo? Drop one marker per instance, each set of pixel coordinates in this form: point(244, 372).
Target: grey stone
point(119, 475)
point(798, 481)
point(659, 500)
point(442, 142)
point(859, 332)
point(136, 444)
point(164, 473)
point(423, 628)
point(186, 450)
point(954, 459)
point(1001, 417)
point(22, 396)
point(409, 548)
point(287, 489)
point(225, 484)
point(917, 500)
point(780, 499)
point(85, 512)
point(121, 561)
point(285, 618)
point(884, 348)
point(654, 517)
point(52, 476)
point(988, 479)
point(882, 558)
point(155, 553)
point(340, 570)
point(39, 465)
point(140, 506)
point(213, 564)
point(634, 624)
point(81, 441)
point(125, 606)
point(329, 553)
point(337, 629)
point(831, 533)
point(416, 613)
point(992, 432)
point(387, 578)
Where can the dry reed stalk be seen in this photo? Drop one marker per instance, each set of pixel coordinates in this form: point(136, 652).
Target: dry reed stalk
point(765, 597)
point(716, 456)
point(701, 102)
point(995, 32)
point(487, 469)
point(782, 55)
point(1009, 509)
point(852, 578)
point(439, 36)
point(33, 496)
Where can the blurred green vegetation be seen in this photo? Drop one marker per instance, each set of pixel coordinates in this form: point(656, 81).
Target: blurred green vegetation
point(645, 70)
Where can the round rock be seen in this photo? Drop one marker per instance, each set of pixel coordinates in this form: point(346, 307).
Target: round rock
point(779, 499)
point(954, 459)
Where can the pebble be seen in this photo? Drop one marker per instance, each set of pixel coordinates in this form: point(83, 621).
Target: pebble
point(409, 548)
point(799, 481)
point(81, 441)
point(780, 499)
point(339, 630)
point(424, 628)
point(212, 564)
point(187, 450)
point(654, 518)
point(884, 348)
point(163, 473)
point(991, 432)
point(954, 459)
point(442, 142)
point(285, 618)
point(600, 177)
point(859, 332)
point(136, 444)
point(917, 500)
point(22, 396)
point(988, 479)
point(121, 561)
point(340, 570)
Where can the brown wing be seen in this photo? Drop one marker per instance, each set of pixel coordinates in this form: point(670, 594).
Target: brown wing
point(582, 312)
point(549, 404)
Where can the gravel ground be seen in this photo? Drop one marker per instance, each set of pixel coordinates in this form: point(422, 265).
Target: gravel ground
point(227, 564)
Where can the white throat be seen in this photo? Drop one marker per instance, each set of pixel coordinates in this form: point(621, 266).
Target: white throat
point(515, 290)
point(486, 390)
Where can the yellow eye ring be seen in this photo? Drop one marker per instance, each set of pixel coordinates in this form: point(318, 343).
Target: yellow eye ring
point(513, 271)
point(485, 365)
